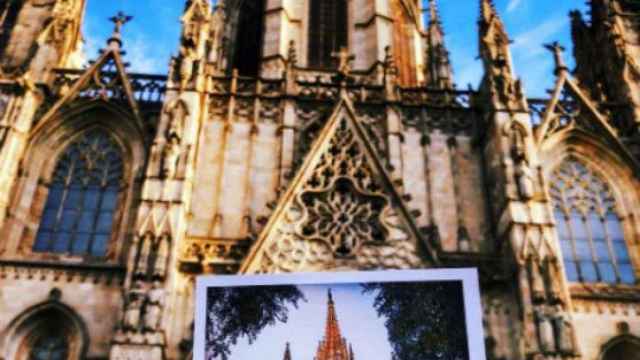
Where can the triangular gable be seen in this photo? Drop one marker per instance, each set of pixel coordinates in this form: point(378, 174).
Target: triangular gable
point(571, 109)
point(340, 211)
point(105, 79)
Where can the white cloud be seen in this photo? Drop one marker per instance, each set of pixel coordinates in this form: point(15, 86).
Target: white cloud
point(513, 5)
point(533, 60)
point(141, 56)
point(529, 44)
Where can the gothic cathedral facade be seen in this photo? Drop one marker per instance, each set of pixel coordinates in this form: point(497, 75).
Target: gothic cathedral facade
point(313, 135)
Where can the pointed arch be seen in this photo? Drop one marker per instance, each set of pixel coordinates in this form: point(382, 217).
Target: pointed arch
point(601, 192)
point(403, 49)
point(8, 18)
point(31, 191)
point(625, 347)
point(83, 197)
point(328, 31)
point(249, 40)
point(589, 225)
point(49, 328)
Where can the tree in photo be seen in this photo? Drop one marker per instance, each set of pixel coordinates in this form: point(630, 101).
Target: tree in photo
point(425, 321)
point(236, 312)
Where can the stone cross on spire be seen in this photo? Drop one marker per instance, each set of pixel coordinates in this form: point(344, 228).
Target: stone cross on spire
point(119, 20)
point(557, 51)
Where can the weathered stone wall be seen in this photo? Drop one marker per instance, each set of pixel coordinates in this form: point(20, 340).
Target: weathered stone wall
point(95, 299)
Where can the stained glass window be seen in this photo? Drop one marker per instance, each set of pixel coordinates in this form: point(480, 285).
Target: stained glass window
point(402, 44)
point(51, 347)
point(83, 196)
point(589, 227)
point(327, 31)
point(248, 52)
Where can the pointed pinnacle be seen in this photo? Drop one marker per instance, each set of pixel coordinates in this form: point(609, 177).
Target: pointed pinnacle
point(487, 10)
point(434, 16)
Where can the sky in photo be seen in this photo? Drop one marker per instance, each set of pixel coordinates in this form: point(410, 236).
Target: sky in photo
point(152, 37)
point(358, 320)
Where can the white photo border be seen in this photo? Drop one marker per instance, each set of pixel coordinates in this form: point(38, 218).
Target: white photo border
point(468, 277)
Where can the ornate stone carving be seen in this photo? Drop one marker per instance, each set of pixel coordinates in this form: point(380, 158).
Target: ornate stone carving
point(153, 308)
point(172, 151)
point(133, 308)
point(30, 23)
point(545, 330)
point(565, 337)
point(152, 259)
point(342, 211)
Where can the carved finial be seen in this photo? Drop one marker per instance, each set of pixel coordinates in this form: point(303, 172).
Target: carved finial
point(292, 56)
point(119, 20)
point(557, 51)
point(438, 71)
point(388, 57)
point(487, 9)
point(434, 16)
point(344, 60)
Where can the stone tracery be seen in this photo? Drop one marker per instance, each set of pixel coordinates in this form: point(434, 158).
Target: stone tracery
point(342, 211)
point(589, 225)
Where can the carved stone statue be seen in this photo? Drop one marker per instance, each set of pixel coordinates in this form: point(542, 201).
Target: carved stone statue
point(143, 257)
point(537, 281)
point(524, 179)
point(170, 158)
point(545, 329)
point(133, 308)
point(564, 331)
point(188, 59)
point(162, 254)
point(177, 114)
point(551, 273)
point(30, 23)
point(153, 310)
point(52, 41)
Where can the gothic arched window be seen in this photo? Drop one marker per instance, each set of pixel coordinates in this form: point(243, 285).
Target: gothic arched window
point(402, 44)
point(8, 17)
point(328, 31)
point(589, 226)
point(83, 195)
point(50, 346)
point(248, 45)
point(627, 350)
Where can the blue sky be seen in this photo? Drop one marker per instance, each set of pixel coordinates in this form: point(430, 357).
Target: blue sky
point(152, 36)
point(358, 320)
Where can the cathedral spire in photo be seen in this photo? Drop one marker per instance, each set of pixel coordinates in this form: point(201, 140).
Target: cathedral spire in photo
point(315, 135)
point(332, 346)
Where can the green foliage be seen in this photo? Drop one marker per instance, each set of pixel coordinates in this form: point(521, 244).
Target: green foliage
point(237, 312)
point(425, 321)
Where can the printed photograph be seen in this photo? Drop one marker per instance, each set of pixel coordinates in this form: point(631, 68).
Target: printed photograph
point(398, 316)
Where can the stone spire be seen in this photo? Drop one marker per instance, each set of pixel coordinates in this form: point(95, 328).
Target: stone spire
point(333, 346)
point(287, 352)
point(438, 72)
point(499, 80)
point(494, 41)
